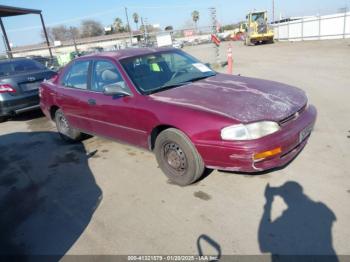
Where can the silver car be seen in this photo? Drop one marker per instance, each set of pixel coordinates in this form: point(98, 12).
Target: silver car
point(19, 83)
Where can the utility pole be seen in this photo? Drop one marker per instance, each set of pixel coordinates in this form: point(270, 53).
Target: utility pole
point(72, 32)
point(127, 20)
point(146, 30)
point(212, 11)
point(273, 10)
point(144, 33)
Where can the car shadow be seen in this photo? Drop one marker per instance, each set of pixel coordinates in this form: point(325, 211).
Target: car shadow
point(30, 115)
point(303, 232)
point(48, 194)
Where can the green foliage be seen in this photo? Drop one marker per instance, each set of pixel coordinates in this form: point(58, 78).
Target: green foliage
point(90, 28)
point(195, 16)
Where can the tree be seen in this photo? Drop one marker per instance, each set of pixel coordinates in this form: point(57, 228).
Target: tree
point(169, 28)
point(118, 25)
point(135, 16)
point(90, 28)
point(195, 18)
point(61, 33)
point(74, 32)
point(49, 34)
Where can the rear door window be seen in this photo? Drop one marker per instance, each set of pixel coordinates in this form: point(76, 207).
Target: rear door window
point(77, 75)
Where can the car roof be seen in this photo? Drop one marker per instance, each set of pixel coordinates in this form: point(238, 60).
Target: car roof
point(14, 59)
point(129, 52)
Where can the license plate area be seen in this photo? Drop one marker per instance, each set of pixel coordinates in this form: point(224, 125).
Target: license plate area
point(26, 87)
point(305, 133)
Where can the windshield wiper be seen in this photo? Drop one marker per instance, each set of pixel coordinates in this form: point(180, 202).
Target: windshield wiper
point(169, 86)
point(165, 87)
point(200, 78)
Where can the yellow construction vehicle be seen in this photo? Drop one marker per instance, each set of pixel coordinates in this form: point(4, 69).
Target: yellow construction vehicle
point(257, 29)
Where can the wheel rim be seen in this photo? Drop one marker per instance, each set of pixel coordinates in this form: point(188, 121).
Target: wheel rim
point(62, 123)
point(175, 158)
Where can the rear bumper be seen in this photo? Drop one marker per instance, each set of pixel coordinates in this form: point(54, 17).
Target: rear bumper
point(15, 105)
point(238, 156)
point(45, 109)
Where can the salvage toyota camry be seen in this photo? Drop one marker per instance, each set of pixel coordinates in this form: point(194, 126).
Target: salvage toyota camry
point(190, 116)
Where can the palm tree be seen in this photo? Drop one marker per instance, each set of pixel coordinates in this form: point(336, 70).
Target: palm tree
point(118, 25)
point(195, 17)
point(135, 16)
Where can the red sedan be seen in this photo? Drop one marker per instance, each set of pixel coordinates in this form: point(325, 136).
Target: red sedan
point(190, 116)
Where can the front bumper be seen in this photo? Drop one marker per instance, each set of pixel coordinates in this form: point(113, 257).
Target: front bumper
point(18, 104)
point(239, 155)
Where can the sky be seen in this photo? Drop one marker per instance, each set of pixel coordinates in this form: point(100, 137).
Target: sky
point(23, 30)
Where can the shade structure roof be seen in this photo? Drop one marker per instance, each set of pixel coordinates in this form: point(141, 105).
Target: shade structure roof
point(6, 11)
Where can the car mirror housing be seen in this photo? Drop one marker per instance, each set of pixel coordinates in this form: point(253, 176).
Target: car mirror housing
point(115, 90)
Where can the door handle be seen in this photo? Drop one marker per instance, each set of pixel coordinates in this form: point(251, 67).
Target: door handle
point(92, 102)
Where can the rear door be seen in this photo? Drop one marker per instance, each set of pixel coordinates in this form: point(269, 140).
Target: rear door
point(73, 94)
point(113, 116)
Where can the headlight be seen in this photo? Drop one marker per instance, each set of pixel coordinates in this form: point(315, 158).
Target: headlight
point(249, 131)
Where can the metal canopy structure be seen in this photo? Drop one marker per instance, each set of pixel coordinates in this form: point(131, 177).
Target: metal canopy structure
point(6, 11)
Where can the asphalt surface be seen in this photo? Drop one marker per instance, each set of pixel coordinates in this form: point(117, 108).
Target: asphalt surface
point(102, 197)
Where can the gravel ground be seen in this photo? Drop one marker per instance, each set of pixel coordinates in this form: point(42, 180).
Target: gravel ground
point(102, 197)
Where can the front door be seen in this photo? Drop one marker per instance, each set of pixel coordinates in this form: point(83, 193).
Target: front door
point(113, 116)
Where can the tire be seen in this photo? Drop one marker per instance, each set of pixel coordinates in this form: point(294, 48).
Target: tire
point(3, 119)
point(248, 42)
point(178, 158)
point(66, 131)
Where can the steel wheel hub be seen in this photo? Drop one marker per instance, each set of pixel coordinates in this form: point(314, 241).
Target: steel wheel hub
point(175, 158)
point(63, 124)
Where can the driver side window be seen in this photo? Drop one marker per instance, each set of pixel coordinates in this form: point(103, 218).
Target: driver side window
point(105, 73)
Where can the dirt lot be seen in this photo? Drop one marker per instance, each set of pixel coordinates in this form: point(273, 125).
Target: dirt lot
point(101, 197)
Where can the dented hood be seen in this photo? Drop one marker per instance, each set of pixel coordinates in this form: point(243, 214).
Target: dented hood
point(241, 98)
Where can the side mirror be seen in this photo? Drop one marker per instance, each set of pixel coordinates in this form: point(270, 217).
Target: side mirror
point(115, 90)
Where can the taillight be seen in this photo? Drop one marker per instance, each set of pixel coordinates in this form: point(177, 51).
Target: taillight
point(40, 91)
point(7, 88)
point(53, 78)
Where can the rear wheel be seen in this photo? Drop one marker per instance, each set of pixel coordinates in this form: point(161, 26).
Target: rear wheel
point(66, 131)
point(177, 157)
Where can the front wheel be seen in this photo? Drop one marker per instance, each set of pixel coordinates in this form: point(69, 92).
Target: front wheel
point(177, 157)
point(66, 131)
point(248, 42)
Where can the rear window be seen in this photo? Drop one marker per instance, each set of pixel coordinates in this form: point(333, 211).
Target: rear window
point(19, 66)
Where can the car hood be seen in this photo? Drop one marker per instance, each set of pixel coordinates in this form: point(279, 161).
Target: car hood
point(241, 98)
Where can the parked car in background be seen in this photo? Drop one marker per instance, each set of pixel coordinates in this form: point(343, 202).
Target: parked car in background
point(48, 62)
point(190, 116)
point(178, 44)
point(19, 83)
point(93, 50)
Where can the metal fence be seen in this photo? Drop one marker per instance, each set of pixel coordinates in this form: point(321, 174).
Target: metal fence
point(335, 26)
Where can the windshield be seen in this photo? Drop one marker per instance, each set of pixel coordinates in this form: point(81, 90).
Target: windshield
point(19, 66)
point(258, 17)
point(155, 72)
